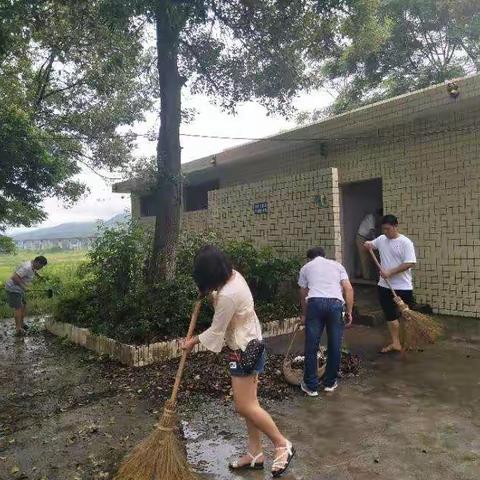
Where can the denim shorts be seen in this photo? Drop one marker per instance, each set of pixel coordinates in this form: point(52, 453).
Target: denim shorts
point(237, 371)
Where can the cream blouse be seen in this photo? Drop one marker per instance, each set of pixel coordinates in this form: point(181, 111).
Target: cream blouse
point(235, 321)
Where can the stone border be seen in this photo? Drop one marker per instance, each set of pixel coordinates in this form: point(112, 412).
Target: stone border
point(139, 356)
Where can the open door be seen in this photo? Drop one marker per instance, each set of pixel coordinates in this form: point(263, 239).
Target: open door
point(358, 200)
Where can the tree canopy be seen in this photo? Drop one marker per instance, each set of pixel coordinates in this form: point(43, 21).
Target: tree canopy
point(71, 73)
point(369, 50)
point(30, 170)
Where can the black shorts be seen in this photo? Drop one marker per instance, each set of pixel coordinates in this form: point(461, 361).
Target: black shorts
point(389, 306)
point(16, 300)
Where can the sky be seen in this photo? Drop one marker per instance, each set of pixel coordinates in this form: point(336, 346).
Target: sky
point(251, 120)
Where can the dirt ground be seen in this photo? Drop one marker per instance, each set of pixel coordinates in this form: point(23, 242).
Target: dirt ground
point(66, 415)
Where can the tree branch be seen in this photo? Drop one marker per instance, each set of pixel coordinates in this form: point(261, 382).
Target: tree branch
point(430, 43)
point(475, 58)
point(451, 48)
point(44, 81)
point(59, 90)
point(81, 155)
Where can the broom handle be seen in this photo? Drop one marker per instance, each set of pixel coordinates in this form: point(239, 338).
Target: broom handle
point(181, 366)
point(380, 268)
point(297, 328)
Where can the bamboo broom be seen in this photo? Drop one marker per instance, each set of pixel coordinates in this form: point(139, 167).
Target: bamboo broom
point(161, 455)
point(417, 329)
point(294, 376)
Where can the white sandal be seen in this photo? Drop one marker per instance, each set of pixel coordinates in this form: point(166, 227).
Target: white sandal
point(253, 465)
point(280, 464)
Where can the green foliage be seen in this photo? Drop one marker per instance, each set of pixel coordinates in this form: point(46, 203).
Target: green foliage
point(111, 296)
point(369, 50)
point(268, 275)
point(70, 74)
point(240, 50)
point(116, 260)
point(30, 169)
point(7, 246)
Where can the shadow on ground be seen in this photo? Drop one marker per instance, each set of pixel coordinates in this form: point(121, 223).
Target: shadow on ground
point(65, 415)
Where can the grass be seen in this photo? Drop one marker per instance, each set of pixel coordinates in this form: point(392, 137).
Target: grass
point(57, 262)
point(61, 267)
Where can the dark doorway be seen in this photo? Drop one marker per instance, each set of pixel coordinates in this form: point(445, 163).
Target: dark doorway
point(358, 200)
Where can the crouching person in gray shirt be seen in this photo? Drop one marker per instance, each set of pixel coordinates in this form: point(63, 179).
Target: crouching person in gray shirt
point(325, 291)
point(16, 287)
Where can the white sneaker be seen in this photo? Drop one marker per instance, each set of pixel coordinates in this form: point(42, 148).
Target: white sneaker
point(305, 389)
point(332, 388)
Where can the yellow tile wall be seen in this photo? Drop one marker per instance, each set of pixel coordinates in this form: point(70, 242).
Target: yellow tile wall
point(294, 222)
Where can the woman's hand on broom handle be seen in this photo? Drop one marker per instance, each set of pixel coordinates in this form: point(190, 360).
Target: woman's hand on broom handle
point(189, 343)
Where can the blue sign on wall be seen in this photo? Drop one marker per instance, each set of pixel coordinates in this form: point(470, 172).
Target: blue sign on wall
point(321, 200)
point(259, 208)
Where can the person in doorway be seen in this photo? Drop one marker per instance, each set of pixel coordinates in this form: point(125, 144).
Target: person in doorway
point(16, 287)
point(367, 231)
point(236, 323)
point(324, 292)
point(397, 258)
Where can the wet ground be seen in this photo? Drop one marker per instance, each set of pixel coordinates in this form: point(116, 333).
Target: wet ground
point(65, 415)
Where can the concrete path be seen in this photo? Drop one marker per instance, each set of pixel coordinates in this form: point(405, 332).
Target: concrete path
point(65, 417)
point(413, 419)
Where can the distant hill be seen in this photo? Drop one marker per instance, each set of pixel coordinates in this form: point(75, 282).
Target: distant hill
point(70, 230)
point(120, 218)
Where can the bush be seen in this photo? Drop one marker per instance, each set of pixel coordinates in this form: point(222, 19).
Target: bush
point(7, 245)
point(111, 297)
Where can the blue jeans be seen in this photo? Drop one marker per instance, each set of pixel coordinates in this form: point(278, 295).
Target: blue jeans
point(321, 313)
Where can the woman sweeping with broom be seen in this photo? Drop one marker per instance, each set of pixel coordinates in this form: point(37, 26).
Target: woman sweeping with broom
point(236, 324)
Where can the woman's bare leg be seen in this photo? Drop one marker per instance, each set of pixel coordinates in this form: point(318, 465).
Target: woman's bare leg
point(254, 437)
point(246, 404)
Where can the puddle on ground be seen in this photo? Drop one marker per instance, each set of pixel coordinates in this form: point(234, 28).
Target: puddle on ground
point(64, 416)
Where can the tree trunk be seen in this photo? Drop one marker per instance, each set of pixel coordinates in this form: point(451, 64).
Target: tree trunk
point(168, 190)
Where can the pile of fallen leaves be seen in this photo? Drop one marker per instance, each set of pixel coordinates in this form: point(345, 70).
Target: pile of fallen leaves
point(350, 366)
point(207, 374)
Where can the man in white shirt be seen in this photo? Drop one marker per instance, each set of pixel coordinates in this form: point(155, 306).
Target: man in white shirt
point(367, 231)
point(397, 257)
point(16, 286)
point(324, 292)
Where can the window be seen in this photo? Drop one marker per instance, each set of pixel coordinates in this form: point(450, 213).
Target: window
point(196, 196)
point(147, 205)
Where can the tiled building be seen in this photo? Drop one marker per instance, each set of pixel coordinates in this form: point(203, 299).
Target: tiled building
point(417, 156)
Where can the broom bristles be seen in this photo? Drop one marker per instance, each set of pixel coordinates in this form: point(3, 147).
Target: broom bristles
point(161, 456)
point(418, 329)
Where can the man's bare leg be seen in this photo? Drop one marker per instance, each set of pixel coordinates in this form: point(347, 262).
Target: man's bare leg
point(394, 328)
point(19, 315)
point(24, 312)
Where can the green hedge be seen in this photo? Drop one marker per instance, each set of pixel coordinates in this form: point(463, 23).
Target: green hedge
point(110, 296)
